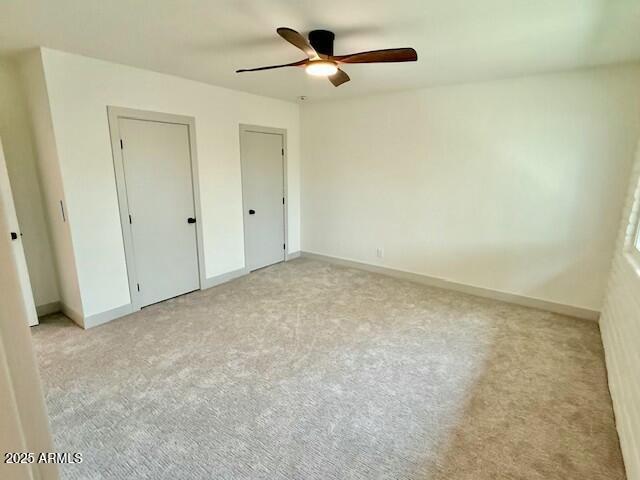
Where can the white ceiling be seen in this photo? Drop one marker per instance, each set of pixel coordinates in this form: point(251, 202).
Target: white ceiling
point(457, 40)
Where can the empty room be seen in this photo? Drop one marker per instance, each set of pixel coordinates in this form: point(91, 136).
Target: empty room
point(294, 240)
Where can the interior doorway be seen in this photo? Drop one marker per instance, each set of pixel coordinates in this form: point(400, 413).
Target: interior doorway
point(15, 236)
point(264, 198)
point(157, 192)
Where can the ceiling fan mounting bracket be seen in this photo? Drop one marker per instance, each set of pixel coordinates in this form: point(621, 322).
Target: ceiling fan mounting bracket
point(322, 41)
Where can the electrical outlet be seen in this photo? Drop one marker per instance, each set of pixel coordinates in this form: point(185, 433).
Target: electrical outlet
point(380, 252)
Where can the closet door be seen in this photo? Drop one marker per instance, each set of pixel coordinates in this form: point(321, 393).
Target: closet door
point(159, 185)
point(263, 198)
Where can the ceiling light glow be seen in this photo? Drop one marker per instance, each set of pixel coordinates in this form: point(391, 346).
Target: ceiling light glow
point(321, 68)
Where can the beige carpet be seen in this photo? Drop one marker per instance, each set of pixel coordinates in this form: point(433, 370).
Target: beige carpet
point(310, 371)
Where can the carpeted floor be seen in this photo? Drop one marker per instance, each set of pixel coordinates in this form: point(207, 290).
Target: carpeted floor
point(311, 371)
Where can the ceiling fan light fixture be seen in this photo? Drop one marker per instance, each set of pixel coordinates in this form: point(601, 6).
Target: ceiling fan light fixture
point(321, 68)
point(321, 62)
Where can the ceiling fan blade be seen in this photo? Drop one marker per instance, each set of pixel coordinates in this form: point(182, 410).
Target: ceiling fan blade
point(339, 78)
point(379, 56)
point(294, 64)
point(294, 38)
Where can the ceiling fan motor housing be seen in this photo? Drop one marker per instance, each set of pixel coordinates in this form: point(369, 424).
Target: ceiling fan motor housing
point(322, 41)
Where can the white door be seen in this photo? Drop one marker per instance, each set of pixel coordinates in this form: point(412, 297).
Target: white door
point(24, 425)
point(157, 172)
point(12, 231)
point(263, 197)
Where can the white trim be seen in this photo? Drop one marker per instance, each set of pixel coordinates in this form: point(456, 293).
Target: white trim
point(72, 314)
point(285, 211)
point(115, 113)
point(633, 247)
point(514, 298)
point(224, 278)
point(118, 312)
point(96, 319)
point(104, 317)
point(293, 256)
point(632, 231)
point(48, 308)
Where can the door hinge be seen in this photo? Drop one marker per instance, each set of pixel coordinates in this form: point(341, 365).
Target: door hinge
point(129, 219)
point(121, 144)
point(138, 286)
point(284, 246)
point(283, 200)
point(283, 152)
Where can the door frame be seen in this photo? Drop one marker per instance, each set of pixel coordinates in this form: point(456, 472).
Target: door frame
point(285, 193)
point(114, 114)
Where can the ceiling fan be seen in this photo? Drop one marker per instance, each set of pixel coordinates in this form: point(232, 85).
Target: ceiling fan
point(322, 62)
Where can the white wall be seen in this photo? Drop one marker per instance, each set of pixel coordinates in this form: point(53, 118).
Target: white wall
point(44, 141)
point(512, 185)
point(620, 326)
point(80, 89)
point(15, 133)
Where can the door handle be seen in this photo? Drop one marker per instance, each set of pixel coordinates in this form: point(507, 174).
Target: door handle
point(252, 212)
point(191, 220)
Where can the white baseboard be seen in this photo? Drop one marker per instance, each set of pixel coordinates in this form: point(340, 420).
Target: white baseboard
point(514, 298)
point(123, 310)
point(96, 319)
point(104, 317)
point(48, 308)
point(224, 278)
point(69, 312)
